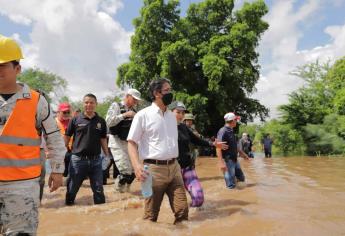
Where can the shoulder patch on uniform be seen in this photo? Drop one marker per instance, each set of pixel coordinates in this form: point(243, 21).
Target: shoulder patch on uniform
point(26, 95)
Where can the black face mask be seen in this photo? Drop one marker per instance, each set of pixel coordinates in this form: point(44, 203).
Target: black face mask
point(167, 98)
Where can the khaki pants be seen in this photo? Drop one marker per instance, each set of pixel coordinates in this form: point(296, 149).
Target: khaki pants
point(167, 179)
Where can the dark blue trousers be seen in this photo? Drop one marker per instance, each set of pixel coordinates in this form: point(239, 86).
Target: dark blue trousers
point(79, 169)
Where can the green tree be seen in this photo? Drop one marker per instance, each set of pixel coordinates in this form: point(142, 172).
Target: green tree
point(328, 137)
point(102, 107)
point(51, 84)
point(287, 141)
point(317, 109)
point(335, 79)
point(311, 103)
point(209, 55)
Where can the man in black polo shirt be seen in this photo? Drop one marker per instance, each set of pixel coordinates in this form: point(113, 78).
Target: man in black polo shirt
point(90, 134)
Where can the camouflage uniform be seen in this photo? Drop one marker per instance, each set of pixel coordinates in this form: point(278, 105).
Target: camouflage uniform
point(19, 200)
point(118, 147)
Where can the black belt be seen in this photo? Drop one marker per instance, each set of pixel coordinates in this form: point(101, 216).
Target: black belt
point(160, 162)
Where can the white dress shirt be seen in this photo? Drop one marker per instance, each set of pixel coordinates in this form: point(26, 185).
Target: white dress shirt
point(155, 133)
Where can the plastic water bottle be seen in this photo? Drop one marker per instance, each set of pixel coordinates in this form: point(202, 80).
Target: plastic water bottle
point(146, 186)
point(105, 162)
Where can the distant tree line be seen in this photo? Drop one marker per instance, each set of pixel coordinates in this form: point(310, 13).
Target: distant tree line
point(313, 121)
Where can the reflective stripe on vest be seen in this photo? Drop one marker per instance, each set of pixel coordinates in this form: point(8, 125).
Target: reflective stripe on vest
point(4, 162)
point(20, 142)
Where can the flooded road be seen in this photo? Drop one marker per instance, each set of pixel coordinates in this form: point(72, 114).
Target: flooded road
point(283, 196)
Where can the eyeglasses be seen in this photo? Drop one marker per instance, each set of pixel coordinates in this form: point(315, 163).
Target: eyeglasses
point(66, 112)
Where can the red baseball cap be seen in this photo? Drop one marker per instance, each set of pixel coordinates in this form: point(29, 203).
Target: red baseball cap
point(64, 107)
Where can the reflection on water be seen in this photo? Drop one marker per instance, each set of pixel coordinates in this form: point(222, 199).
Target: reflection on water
point(283, 196)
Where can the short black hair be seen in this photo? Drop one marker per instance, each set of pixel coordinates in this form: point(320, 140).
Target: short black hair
point(156, 86)
point(90, 95)
point(15, 63)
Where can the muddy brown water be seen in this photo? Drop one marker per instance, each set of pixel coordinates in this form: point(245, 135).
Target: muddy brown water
point(284, 196)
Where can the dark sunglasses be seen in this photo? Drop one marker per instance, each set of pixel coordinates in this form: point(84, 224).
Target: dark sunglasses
point(66, 112)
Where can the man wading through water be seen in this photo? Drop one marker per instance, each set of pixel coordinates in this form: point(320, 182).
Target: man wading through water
point(153, 140)
point(119, 119)
point(90, 135)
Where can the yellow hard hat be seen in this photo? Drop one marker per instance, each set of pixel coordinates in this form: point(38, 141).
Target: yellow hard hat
point(9, 50)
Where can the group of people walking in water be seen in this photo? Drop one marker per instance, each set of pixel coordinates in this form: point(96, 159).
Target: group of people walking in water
point(155, 136)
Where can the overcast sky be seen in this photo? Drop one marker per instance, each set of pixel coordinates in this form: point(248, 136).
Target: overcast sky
point(85, 40)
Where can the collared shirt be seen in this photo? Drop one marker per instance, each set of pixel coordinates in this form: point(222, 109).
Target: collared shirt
point(45, 123)
point(226, 134)
point(155, 133)
point(87, 134)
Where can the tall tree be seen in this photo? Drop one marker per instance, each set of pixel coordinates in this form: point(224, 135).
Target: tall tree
point(317, 110)
point(209, 55)
point(311, 103)
point(51, 84)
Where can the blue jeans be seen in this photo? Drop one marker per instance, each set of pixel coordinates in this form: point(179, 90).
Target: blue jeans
point(234, 171)
point(79, 169)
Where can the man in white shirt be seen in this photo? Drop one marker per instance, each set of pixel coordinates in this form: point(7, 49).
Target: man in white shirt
point(152, 139)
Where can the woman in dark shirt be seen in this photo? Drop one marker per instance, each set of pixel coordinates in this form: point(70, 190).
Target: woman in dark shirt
point(185, 138)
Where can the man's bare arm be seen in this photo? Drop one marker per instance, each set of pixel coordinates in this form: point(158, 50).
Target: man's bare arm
point(104, 144)
point(221, 162)
point(134, 156)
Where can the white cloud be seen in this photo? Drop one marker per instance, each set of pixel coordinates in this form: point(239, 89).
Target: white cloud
point(76, 39)
point(20, 19)
point(280, 55)
point(111, 6)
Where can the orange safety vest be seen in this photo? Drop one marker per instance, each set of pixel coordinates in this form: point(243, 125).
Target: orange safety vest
point(63, 131)
point(20, 142)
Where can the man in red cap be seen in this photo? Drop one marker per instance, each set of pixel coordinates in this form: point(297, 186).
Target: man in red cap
point(62, 119)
